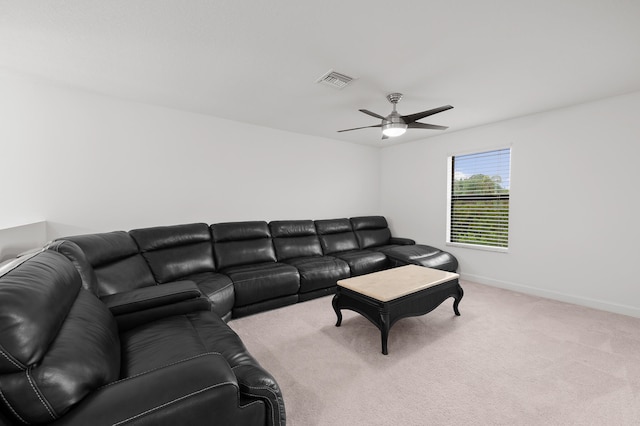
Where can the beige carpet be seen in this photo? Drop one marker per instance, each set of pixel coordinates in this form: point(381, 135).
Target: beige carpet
point(510, 359)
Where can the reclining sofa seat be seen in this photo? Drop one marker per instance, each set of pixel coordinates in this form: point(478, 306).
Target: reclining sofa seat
point(296, 243)
point(338, 239)
point(114, 262)
point(185, 252)
point(373, 233)
point(65, 362)
point(423, 255)
point(244, 251)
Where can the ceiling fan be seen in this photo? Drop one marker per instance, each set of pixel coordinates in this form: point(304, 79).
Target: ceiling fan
point(395, 124)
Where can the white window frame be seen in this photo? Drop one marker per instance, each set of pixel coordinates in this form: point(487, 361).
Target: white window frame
point(449, 193)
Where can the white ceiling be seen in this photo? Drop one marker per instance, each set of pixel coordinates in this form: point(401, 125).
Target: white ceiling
point(258, 61)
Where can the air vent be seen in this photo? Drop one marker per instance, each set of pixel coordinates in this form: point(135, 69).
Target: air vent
point(335, 79)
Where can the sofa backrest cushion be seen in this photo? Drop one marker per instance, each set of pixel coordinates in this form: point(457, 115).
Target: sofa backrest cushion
point(57, 340)
point(173, 252)
point(294, 239)
point(336, 235)
point(242, 243)
point(371, 231)
point(116, 260)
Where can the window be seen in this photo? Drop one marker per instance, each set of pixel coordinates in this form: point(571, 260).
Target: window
point(479, 199)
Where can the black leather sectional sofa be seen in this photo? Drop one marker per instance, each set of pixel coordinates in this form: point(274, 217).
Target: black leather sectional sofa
point(245, 267)
point(161, 358)
point(130, 327)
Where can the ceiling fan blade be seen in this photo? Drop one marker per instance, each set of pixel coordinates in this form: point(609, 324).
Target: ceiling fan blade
point(358, 128)
point(415, 125)
point(373, 114)
point(417, 116)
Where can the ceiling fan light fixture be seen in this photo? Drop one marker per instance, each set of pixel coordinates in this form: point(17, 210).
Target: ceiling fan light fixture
point(393, 125)
point(394, 129)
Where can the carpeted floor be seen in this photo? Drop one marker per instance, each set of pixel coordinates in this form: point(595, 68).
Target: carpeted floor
point(509, 359)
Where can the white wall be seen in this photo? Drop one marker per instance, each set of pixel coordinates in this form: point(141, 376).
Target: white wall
point(574, 233)
point(19, 239)
point(87, 163)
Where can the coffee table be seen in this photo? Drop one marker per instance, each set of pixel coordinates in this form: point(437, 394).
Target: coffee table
point(385, 297)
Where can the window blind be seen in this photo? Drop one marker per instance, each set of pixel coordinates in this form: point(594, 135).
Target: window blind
point(479, 199)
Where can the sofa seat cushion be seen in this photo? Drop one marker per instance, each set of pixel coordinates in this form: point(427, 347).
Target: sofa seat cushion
point(422, 255)
point(197, 391)
point(218, 288)
point(319, 272)
point(364, 261)
point(263, 281)
point(384, 248)
point(181, 337)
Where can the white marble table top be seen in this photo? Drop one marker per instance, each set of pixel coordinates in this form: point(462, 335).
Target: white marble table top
point(396, 282)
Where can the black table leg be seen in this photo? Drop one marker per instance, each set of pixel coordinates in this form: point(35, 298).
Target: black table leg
point(457, 300)
point(336, 308)
point(384, 330)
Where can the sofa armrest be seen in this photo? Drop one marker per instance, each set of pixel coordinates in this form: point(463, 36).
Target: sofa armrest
point(197, 391)
point(134, 319)
point(151, 297)
point(256, 382)
point(401, 241)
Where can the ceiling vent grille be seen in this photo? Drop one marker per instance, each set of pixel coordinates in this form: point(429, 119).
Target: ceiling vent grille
point(335, 79)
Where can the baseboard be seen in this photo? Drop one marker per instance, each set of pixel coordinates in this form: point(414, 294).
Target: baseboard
point(563, 297)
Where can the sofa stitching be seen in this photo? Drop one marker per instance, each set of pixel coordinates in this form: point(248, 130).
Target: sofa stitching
point(321, 270)
point(176, 244)
point(11, 360)
point(195, 330)
point(259, 277)
point(157, 407)
point(40, 397)
point(262, 396)
point(194, 237)
point(160, 367)
point(223, 288)
point(11, 408)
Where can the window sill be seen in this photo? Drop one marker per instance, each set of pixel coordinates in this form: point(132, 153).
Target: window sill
point(479, 247)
